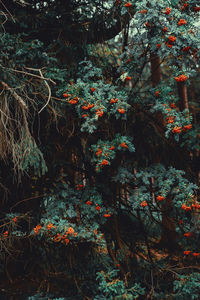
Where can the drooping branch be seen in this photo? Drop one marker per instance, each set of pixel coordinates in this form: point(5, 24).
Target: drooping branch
point(14, 94)
point(31, 74)
point(49, 91)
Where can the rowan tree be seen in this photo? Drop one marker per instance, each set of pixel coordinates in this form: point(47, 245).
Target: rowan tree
point(99, 149)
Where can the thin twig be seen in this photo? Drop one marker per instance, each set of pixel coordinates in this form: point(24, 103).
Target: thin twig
point(7, 11)
point(2, 24)
point(24, 200)
point(49, 90)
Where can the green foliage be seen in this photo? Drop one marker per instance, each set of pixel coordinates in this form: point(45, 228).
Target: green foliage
point(32, 158)
point(105, 151)
point(92, 106)
point(111, 287)
point(187, 286)
point(107, 146)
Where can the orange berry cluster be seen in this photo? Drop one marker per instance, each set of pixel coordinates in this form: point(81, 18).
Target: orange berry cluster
point(187, 234)
point(128, 4)
point(14, 219)
point(115, 100)
point(167, 10)
point(159, 198)
point(143, 11)
point(188, 252)
point(101, 153)
point(37, 229)
point(98, 208)
point(185, 5)
point(182, 22)
point(143, 203)
point(88, 106)
point(157, 93)
point(165, 29)
point(123, 145)
point(195, 206)
point(121, 110)
point(64, 237)
point(172, 38)
point(104, 162)
point(79, 187)
point(99, 112)
point(5, 234)
point(50, 226)
point(104, 152)
point(179, 129)
point(72, 101)
point(65, 95)
point(170, 120)
point(169, 45)
point(181, 78)
point(186, 48)
point(57, 237)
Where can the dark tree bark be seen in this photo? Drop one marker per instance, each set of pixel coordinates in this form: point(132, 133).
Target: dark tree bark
point(168, 228)
point(183, 97)
point(155, 69)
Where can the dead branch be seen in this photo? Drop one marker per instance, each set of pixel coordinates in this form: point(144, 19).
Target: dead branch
point(31, 74)
point(14, 94)
point(49, 90)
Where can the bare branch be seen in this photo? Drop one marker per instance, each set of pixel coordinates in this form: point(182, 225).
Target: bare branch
point(30, 74)
point(14, 94)
point(49, 90)
point(7, 11)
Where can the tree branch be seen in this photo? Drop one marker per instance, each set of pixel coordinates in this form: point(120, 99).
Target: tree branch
point(14, 94)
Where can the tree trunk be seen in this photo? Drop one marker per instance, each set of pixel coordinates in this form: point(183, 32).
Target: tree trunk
point(168, 227)
point(155, 69)
point(183, 98)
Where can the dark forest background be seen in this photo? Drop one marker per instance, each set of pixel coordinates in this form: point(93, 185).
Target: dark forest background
point(99, 149)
